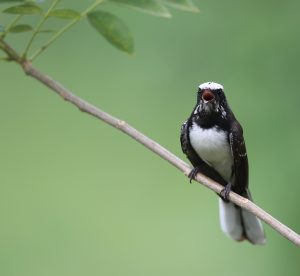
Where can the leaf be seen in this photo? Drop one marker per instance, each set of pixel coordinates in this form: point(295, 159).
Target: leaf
point(65, 14)
point(184, 5)
point(2, 28)
point(28, 8)
point(113, 29)
point(153, 7)
point(20, 28)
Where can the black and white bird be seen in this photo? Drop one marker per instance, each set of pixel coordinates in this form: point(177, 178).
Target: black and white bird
point(212, 140)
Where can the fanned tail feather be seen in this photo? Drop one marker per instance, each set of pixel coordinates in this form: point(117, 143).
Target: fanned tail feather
point(239, 224)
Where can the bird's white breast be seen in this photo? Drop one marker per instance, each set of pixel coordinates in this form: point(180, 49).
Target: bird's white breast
point(213, 147)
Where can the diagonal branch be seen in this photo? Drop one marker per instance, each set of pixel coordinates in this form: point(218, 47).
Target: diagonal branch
point(149, 143)
point(159, 150)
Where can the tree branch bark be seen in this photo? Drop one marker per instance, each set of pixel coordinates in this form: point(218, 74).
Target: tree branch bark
point(148, 143)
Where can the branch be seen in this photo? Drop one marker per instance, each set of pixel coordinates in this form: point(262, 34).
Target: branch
point(159, 150)
point(86, 107)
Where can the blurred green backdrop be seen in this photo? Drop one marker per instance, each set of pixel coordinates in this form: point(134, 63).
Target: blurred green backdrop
point(80, 198)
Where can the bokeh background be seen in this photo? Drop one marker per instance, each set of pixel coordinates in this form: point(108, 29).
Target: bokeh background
point(80, 198)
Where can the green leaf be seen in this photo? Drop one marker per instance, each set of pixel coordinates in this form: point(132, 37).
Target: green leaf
point(65, 14)
point(20, 28)
point(113, 29)
point(184, 5)
point(2, 28)
point(28, 8)
point(153, 7)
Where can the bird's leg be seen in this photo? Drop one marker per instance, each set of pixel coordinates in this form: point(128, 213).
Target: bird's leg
point(225, 192)
point(193, 173)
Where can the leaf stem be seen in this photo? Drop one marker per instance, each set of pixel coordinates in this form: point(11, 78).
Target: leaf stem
point(13, 23)
point(58, 34)
point(39, 26)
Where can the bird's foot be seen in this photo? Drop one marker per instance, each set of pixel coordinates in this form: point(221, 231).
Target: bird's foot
point(225, 192)
point(193, 173)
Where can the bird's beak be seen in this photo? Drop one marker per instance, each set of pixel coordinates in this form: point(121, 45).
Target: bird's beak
point(208, 96)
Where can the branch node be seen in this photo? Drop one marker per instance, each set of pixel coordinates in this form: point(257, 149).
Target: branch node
point(26, 65)
point(120, 124)
point(244, 201)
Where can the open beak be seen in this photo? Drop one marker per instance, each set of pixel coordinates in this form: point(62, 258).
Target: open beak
point(208, 96)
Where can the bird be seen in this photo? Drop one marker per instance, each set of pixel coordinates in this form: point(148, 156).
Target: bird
point(212, 139)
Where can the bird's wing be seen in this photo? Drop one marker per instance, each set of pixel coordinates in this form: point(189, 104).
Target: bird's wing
point(194, 158)
point(240, 159)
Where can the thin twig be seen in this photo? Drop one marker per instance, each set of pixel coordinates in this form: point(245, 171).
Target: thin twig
point(12, 24)
point(64, 29)
point(149, 143)
point(39, 26)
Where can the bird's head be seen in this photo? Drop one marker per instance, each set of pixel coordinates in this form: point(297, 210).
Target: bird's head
point(210, 98)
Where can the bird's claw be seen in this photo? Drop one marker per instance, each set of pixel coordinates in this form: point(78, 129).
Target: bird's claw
point(225, 192)
point(193, 173)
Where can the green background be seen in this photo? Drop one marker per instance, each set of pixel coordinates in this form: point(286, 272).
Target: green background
point(80, 198)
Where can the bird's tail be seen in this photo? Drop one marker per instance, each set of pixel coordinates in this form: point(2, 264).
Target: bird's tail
point(239, 224)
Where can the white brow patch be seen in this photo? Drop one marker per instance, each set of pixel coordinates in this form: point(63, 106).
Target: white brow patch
point(211, 86)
